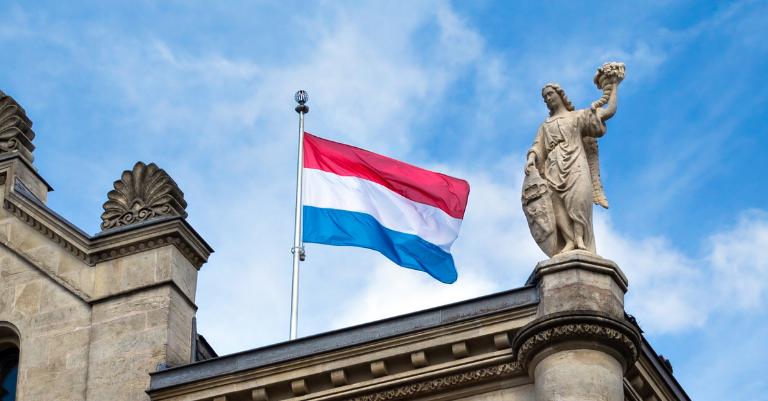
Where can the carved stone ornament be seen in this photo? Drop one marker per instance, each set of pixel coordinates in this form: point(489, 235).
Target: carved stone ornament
point(580, 326)
point(442, 383)
point(147, 192)
point(538, 209)
point(16, 134)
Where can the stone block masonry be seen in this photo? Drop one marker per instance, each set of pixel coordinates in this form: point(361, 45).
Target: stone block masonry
point(94, 315)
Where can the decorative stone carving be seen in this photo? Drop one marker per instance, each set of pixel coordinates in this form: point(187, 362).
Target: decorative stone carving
point(574, 330)
point(299, 387)
point(460, 350)
point(419, 359)
point(379, 368)
point(442, 383)
point(563, 169)
point(339, 378)
point(260, 394)
point(581, 326)
point(16, 134)
point(144, 193)
point(501, 341)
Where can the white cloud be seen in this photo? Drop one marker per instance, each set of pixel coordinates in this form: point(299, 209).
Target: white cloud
point(739, 260)
point(364, 88)
point(225, 127)
point(671, 292)
point(666, 289)
point(365, 98)
point(393, 291)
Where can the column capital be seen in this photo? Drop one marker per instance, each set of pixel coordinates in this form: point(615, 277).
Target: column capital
point(576, 330)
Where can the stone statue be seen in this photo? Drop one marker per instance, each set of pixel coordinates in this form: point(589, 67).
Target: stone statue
point(562, 169)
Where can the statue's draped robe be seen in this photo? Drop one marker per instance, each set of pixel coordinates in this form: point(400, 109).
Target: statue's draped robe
point(562, 161)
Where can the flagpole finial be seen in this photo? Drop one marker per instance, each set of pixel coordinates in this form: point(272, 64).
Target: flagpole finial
point(301, 98)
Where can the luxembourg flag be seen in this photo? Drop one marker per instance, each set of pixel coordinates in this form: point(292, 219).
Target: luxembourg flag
point(353, 197)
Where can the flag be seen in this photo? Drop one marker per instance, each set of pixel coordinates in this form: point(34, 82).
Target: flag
point(353, 197)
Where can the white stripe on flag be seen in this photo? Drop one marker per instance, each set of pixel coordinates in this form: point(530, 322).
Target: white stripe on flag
point(393, 211)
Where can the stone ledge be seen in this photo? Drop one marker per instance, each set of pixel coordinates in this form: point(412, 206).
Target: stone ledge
point(148, 287)
point(112, 244)
point(580, 260)
point(152, 234)
point(8, 157)
point(335, 349)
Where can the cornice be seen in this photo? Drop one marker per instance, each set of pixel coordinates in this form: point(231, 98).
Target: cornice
point(173, 230)
point(630, 393)
point(72, 242)
point(160, 284)
point(32, 169)
point(435, 331)
point(580, 260)
point(457, 322)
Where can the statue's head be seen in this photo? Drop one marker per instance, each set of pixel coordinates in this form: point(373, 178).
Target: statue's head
point(555, 96)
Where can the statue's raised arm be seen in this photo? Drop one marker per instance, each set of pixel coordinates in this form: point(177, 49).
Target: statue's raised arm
point(562, 168)
point(608, 78)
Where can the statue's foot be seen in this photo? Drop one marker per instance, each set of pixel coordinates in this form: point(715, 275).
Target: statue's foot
point(580, 244)
point(568, 247)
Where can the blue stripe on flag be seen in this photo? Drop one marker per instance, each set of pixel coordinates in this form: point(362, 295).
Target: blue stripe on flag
point(345, 228)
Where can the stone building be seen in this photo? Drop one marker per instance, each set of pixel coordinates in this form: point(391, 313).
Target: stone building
point(111, 317)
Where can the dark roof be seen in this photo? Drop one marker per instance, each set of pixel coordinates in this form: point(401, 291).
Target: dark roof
point(664, 371)
point(203, 350)
point(338, 339)
point(32, 169)
point(22, 189)
point(369, 332)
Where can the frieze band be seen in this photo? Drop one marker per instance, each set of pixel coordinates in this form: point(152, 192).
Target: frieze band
point(577, 325)
point(574, 330)
point(442, 383)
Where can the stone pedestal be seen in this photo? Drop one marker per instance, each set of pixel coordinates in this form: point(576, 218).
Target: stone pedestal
point(580, 281)
point(580, 346)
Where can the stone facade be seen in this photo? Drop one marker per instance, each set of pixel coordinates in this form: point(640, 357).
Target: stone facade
point(91, 315)
point(94, 314)
point(111, 317)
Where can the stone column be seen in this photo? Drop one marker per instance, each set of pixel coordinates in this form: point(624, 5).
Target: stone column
point(580, 346)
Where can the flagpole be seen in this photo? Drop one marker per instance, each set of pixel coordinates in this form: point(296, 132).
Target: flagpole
point(298, 248)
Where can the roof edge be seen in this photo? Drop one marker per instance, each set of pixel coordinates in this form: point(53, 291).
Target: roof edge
point(344, 338)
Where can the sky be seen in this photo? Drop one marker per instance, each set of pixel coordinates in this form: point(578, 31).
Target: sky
point(205, 90)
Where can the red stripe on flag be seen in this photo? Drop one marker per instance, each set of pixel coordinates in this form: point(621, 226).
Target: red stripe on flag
point(419, 185)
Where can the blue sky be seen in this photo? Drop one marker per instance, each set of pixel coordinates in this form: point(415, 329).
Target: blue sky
point(205, 90)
